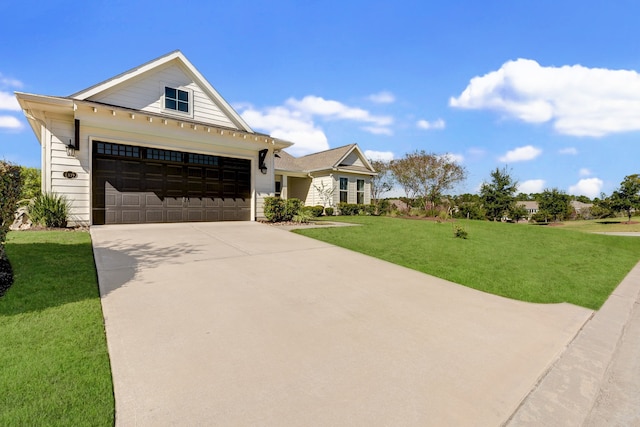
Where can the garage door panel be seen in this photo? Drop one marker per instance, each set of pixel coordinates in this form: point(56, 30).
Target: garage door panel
point(130, 188)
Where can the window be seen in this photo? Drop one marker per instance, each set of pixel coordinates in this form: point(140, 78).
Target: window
point(117, 149)
point(171, 156)
point(360, 192)
point(176, 99)
point(344, 186)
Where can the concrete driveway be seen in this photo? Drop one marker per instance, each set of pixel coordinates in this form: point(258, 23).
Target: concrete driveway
point(247, 324)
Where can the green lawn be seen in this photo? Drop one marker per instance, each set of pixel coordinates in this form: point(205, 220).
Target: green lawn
point(54, 363)
point(531, 263)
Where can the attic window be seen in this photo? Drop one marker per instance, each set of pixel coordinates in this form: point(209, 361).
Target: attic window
point(176, 99)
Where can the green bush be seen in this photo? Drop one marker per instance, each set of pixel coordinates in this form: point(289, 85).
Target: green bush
point(460, 232)
point(274, 208)
point(10, 189)
point(50, 210)
point(349, 209)
point(302, 217)
point(328, 211)
point(31, 179)
point(314, 211)
point(293, 207)
point(382, 207)
point(278, 210)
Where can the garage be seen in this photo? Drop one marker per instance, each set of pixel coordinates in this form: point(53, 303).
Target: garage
point(133, 185)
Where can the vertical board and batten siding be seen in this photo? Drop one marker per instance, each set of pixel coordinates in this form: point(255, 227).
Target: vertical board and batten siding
point(146, 95)
point(76, 190)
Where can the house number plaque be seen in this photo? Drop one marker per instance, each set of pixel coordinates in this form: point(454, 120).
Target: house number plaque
point(69, 174)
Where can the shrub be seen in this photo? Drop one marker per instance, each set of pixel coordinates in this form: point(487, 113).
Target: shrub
point(278, 210)
point(31, 179)
point(293, 207)
point(302, 217)
point(314, 211)
point(10, 188)
point(328, 211)
point(50, 210)
point(460, 232)
point(382, 207)
point(348, 209)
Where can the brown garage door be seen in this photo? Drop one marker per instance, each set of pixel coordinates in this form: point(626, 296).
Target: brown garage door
point(134, 185)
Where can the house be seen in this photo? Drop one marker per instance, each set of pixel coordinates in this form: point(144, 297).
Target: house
point(581, 209)
point(158, 143)
point(326, 178)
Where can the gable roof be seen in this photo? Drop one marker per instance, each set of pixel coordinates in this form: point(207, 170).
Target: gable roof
point(177, 57)
point(332, 159)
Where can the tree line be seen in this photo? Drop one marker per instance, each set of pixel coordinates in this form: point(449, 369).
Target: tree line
point(426, 178)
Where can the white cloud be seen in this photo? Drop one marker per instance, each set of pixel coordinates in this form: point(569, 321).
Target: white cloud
point(289, 125)
point(379, 155)
point(330, 109)
point(294, 121)
point(383, 97)
point(8, 102)
point(378, 130)
point(9, 82)
point(424, 124)
point(584, 172)
point(531, 186)
point(521, 154)
point(9, 122)
point(589, 187)
point(568, 150)
point(579, 101)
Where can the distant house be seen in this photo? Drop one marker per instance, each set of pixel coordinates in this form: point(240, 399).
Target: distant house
point(343, 172)
point(581, 209)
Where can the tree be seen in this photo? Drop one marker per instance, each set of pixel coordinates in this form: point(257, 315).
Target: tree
point(427, 175)
point(30, 182)
point(326, 194)
point(517, 212)
point(627, 197)
point(383, 182)
point(556, 203)
point(498, 195)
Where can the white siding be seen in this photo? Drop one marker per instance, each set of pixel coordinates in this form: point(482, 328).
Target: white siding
point(76, 190)
point(146, 95)
point(314, 197)
point(353, 159)
point(353, 187)
point(264, 183)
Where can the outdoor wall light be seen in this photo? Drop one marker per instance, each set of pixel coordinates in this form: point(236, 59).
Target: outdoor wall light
point(262, 155)
point(71, 149)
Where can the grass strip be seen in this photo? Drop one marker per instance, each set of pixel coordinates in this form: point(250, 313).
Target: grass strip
point(54, 361)
point(538, 264)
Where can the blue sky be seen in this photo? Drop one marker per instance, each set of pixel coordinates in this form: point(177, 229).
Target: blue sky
point(549, 89)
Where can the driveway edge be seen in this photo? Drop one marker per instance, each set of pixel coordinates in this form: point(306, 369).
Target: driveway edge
point(568, 392)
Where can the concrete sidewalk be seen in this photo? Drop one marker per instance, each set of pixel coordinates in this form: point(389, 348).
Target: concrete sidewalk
point(247, 324)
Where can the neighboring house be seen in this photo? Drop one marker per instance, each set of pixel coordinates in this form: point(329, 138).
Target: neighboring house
point(530, 206)
point(155, 144)
point(343, 173)
point(581, 209)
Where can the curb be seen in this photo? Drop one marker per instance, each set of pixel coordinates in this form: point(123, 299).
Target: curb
point(568, 391)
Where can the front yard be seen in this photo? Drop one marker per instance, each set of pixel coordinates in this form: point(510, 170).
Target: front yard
point(531, 263)
point(54, 361)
